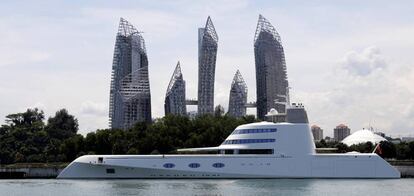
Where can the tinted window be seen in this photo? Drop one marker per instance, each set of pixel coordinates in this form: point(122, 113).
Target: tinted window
point(228, 151)
point(169, 165)
point(247, 131)
point(194, 165)
point(256, 151)
point(247, 141)
point(218, 165)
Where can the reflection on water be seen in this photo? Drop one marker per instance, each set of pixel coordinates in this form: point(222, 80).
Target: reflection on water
point(207, 187)
point(128, 184)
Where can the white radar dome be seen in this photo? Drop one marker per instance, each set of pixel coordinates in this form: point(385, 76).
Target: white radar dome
point(363, 136)
point(272, 112)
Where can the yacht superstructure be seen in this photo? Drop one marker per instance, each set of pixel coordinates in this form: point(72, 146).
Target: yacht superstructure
point(256, 150)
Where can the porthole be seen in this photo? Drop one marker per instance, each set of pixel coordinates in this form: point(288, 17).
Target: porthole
point(169, 165)
point(194, 165)
point(218, 165)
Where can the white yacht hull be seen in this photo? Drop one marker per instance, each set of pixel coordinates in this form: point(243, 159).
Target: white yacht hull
point(234, 166)
point(256, 150)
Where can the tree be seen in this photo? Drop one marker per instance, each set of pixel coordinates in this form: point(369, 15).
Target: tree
point(32, 118)
point(219, 111)
point(90, 143)
point(321, 144)
point(52, 150)
point(132, 151)
point(22, 136)
point(342, 148)
point(387, 149)
point(103, 144)
point(411, 152)
point(367, 147)
point(6, 156)
point(72, 147)
point(62, 125)
point(402, 151)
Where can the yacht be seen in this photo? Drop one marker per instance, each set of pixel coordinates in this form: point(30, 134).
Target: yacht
point(256, 150)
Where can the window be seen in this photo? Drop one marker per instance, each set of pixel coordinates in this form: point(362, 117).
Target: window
point(110, 171)
point(228, 151)
point(218, 165)
point(248, 141)
point(169, 165)
point(100, 159)
point(194, 165)
point(248, 131)
point(256, 151)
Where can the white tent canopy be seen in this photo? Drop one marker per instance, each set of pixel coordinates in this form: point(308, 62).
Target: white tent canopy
point(363, 136)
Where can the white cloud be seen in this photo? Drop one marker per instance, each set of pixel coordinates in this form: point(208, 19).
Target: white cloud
point(16, 46)
point(38, 105)
point(92, 116)
point(364, 63)
point(93, 109)
point(364, 92)
point(89, 123)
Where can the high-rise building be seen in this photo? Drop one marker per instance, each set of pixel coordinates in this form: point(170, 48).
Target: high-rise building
point(175, 96)
point(271, 77)
point(207, 53)
point(130, 98)
point(238, 96)
point(317, 133)
point(341, 132)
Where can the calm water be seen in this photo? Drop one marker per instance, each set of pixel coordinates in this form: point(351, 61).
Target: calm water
point(207, 187)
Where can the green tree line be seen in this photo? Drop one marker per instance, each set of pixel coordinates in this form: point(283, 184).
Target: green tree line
point(26, 137)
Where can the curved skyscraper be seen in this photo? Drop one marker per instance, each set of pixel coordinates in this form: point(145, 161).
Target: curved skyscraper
point(271, 77)
point(238, 96)
point(130, 99)
point(207, 53)
point(175, 96)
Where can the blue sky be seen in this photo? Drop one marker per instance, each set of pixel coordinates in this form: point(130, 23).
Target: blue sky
point(347, 61)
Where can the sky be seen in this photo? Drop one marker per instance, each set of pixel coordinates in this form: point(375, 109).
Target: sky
point(348, 62)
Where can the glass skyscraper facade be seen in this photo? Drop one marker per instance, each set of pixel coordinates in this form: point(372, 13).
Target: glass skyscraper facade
point(175, 96)
point(238, 96)
point(207, 53)
point(130, 98)
point(271, 77)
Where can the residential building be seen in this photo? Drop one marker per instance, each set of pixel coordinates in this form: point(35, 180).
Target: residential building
point(130, 98)
point(175, 95)
point(341, 132)
point(271, 77)
point(317, 133)
point(207, 53)
point(238, 96)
